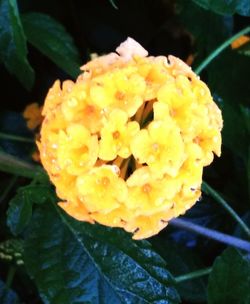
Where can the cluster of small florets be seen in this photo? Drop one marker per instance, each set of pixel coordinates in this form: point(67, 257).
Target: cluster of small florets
point(125, 145)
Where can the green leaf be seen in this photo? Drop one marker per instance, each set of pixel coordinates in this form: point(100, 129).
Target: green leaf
point(181, 260)
point(229, 280)
point(20, 208)
point(13, 49)
point(234, 131)
point(7, 296)
point(226, 7)
point(76, 262)
point(246, 117)
point(209, 30)
point(19, 213)
point(51, 39)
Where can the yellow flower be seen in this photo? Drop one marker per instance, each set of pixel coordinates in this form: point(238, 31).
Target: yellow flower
point(77, 149)
point(122, 89)
point(33, 114)
point(148, 194)
point(125, 145)
point(101, 189)
point(160, 146)
point(116, 136)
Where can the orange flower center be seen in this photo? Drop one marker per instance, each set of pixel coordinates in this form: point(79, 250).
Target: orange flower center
point(105, 181)
point(146, 188)
point(119, 95)
point(116, 134)
point(89, 109)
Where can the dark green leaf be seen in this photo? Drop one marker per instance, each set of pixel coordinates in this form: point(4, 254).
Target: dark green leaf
point(228, 77)
point(226, 7)
point(51, 38)
point(13, 49)
point(234, 131)
point(20, 209)
point(209, 30)
point(19, 213)
point(7, 296)
point(75, 262)
point(181, 260)
point(246, 117)
point(229, 280)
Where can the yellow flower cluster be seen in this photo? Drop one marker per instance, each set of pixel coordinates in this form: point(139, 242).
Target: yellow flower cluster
point(125, 145)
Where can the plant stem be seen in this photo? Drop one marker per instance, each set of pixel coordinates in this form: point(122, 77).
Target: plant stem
point(209, 190)
point(10, 276)
point(193, 275)
point(16, 138)
point(212, 234)
point(13, 165)
point(221, 48)
point(113, 4)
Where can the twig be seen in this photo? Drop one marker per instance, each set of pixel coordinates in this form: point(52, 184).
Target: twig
point(212, 234)
point(219, 49)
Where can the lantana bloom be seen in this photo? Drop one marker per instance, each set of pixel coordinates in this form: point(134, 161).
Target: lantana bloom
point(125, 145)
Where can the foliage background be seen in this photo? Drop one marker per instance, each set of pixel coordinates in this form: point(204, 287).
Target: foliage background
point(47, 257)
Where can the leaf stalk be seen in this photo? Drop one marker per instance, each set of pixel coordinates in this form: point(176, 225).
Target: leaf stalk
point(214, 194)
point(220, 49)
point(212, 234)
point(193, 275)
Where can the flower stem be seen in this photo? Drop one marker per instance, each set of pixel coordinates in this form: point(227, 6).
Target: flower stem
point(10, 276)
point(16, 138)
point(113, 4)
point(212, 234)
point(193, 275)
point(13, 165)
point(209, 190)
point(221, 48)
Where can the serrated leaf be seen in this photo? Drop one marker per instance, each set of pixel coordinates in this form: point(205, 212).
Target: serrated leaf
point(20, 207)
point(13, 49)
point(51, 39)
point(75, 262)
point(19, 213)
point(7, 296)
point(229, 280)
point(226, 7)
point(181, 260)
